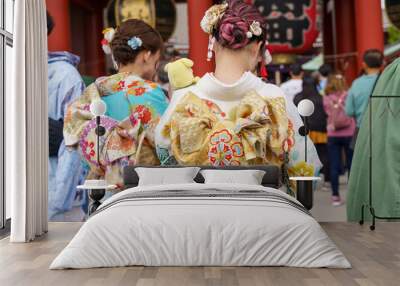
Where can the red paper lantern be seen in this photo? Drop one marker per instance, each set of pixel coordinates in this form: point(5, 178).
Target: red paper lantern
point(292, 24)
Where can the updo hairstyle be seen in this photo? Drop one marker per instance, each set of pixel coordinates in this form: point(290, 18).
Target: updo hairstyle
point(232, 29)
point(150, 41)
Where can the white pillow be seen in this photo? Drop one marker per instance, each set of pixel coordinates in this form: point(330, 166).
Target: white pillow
point(166, 176)
point(248, 177)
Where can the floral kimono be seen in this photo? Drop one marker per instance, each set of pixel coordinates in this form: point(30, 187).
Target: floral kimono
point(134, 108)
point(247, 123)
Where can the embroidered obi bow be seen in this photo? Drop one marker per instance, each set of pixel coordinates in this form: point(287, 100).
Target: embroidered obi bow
point(255, 131)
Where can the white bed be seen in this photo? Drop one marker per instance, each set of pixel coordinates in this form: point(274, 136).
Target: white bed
point(246, 226)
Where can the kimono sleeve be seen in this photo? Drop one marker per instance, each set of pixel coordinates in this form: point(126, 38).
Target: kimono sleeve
point(78, 115)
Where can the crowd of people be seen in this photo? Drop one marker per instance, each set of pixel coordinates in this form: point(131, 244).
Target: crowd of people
point(209, 122)
point(338, 112)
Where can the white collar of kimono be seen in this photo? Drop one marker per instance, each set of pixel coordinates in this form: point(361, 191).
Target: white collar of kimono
point(214, 88)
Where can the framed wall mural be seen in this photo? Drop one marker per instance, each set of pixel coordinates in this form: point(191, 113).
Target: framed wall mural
point(160, 14)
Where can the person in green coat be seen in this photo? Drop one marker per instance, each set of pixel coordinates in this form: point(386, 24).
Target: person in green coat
point(385, 152)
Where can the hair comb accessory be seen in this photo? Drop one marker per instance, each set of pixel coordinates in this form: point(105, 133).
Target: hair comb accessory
point(135, 43)
point(108, 37)
point(212, 16)
point(255, 28)
point(267, 54)
point(115, 64)
point(211, 42)
point(267, 59)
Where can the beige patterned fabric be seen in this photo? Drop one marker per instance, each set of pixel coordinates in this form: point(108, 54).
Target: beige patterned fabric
point(254, 132)
point(247, 122)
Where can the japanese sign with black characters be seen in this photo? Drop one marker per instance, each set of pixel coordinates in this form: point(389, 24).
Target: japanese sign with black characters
point(291, 23)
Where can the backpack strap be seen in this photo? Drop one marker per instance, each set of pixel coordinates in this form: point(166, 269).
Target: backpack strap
point(376, 82)
point(335, 103)
point(341, 98)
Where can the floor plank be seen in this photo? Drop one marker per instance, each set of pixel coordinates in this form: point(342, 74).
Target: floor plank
point(375, 257)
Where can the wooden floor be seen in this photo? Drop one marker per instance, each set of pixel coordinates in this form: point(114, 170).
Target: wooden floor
point(375, 257)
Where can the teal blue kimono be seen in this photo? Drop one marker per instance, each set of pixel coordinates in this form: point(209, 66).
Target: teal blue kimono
point(134, 108)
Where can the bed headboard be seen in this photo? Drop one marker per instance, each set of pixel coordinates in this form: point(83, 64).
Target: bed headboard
point(272, 177)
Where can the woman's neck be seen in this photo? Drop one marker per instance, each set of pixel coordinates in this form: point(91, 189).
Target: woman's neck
point(131, 68)
point(228, 69)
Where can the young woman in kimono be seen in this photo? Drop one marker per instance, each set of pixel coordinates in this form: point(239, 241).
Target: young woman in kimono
point(134, 105)
point(231, 117)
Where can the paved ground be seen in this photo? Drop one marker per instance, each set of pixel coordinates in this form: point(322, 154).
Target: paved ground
point(323, 211)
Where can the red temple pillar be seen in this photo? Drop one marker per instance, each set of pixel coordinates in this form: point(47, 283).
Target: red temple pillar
point(327, 33)
point(198, 40)
point(369, 27)
point(346, 60)
point(60, 38)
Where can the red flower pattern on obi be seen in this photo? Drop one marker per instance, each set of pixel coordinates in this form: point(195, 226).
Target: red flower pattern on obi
point(221, 136)
point(143, 113)
point(237, 149)
point(222, 152)
point(289, 142)
point(88, 150)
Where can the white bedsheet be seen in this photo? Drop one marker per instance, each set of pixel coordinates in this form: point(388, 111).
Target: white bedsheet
point(200, 231)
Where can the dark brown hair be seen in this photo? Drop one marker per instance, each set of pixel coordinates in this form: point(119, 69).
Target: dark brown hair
point(232, 28)
point(122, 52)
point(373, 58)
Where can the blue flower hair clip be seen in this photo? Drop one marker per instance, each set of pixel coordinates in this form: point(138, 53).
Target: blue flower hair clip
point(135, 43)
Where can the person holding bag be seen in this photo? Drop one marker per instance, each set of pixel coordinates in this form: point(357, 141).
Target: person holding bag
point(340, 130)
